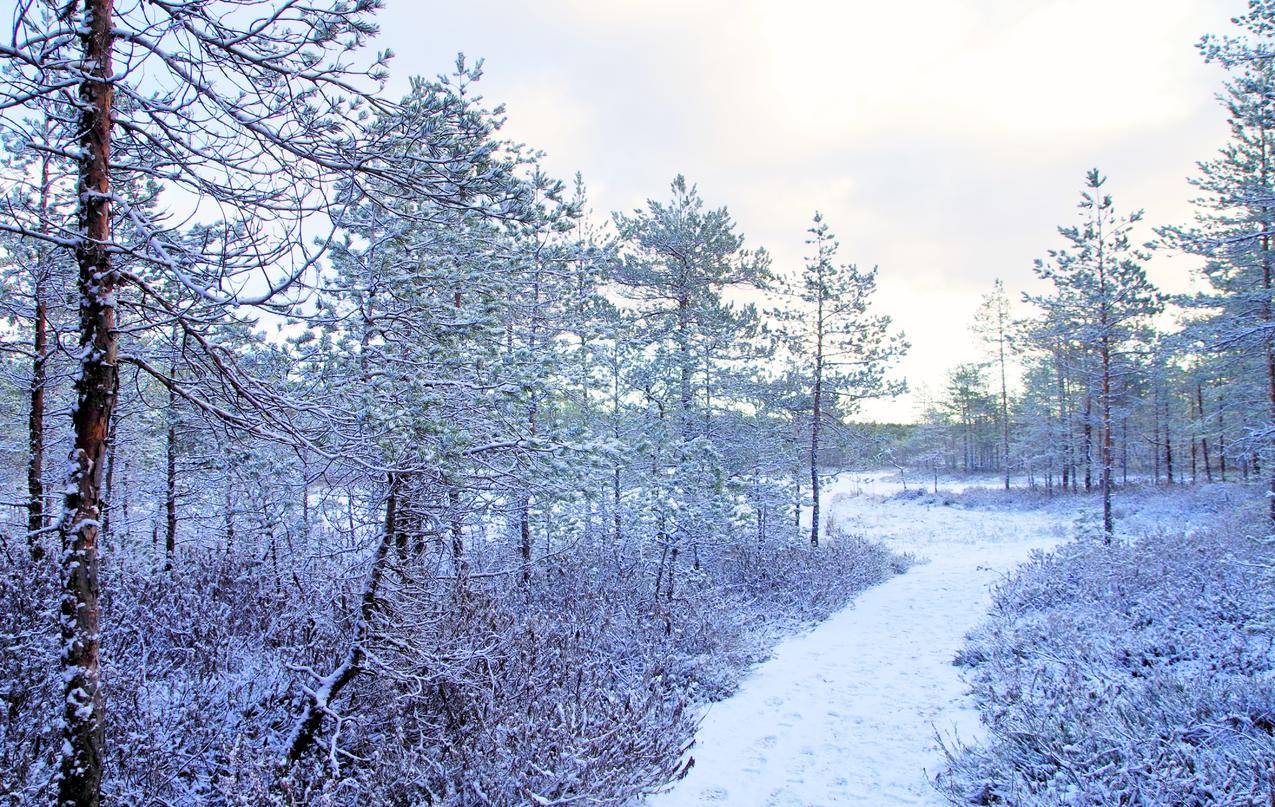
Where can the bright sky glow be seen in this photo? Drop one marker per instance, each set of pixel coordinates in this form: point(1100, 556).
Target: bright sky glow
point(944, 140)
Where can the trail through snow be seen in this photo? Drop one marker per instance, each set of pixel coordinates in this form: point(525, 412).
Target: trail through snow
point(848, 712)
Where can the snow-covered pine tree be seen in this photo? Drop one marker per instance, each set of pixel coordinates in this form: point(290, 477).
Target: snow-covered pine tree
point(1102, 291)
point(843, 348)
point(679, 258)
point(993, 324)
point(1232, 232)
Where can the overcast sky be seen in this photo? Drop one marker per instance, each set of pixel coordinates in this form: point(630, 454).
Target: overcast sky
point(943, 140)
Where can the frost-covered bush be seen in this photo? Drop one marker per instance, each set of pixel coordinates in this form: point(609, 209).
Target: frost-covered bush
point(28, 684)
point(576, 686)
point(1137, 673)
point(1019, 498)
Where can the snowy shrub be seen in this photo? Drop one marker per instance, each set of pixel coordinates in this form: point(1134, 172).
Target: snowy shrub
point(576, 686)
point(28, 690)
point(1136, 673)
point(1018, 498)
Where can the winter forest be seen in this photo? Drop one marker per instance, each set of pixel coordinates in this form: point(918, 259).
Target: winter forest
point(350, 456)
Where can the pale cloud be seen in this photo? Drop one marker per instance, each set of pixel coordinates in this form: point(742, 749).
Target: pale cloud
point(944, 140)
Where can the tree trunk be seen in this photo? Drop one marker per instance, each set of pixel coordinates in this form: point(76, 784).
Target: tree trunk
point(319, 698)
point(108, 484)
point(1063, 423)
point(672, 570)
point(1204, 440)
point(391, 511)
point(80, 776)
point(817, 414)
point(170, 495)
point(615, 432)
point(459, 563)
point(305, 497)
point(1221, 440)
point(1270, 369)
point(524, 504)
point(1004, 405)
point(1088, 433)
point(35, 433)
point(616, 530)
point(685, 415)
point(524, 538)
point(35, 423)
point(1108, 521)
point(659, 569)
point(394, 513)
point(761, 506)
point(524, 512)
point(1155, 437)
point(230, 513)
point(797, 504)
point(120, 493)
point(684, 366)
point(968, 437)
point(1124, 450)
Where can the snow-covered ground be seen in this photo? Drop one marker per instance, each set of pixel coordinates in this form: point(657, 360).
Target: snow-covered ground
point(849, 712)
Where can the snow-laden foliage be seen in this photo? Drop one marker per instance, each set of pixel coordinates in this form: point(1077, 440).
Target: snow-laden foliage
point(572, 688)
point(1142, 672)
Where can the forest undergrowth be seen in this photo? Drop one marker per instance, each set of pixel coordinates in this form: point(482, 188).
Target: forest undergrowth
point(1136, 672)
point(573, 686)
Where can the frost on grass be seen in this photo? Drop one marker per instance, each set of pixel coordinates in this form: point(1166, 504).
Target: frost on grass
point(1137, 673)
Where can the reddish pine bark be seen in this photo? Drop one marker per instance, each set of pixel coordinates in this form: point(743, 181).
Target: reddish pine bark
point(80, 780)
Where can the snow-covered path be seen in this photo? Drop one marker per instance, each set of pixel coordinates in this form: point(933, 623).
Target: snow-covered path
point(847, 713)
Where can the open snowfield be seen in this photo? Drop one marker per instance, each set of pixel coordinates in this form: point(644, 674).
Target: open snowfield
point(850, 711)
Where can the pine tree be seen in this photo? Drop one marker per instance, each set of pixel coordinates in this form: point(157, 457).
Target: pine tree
point(678, 260)
point(844, 351)
point(993, 324)
point(1102, 294)
point(1232, 232)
